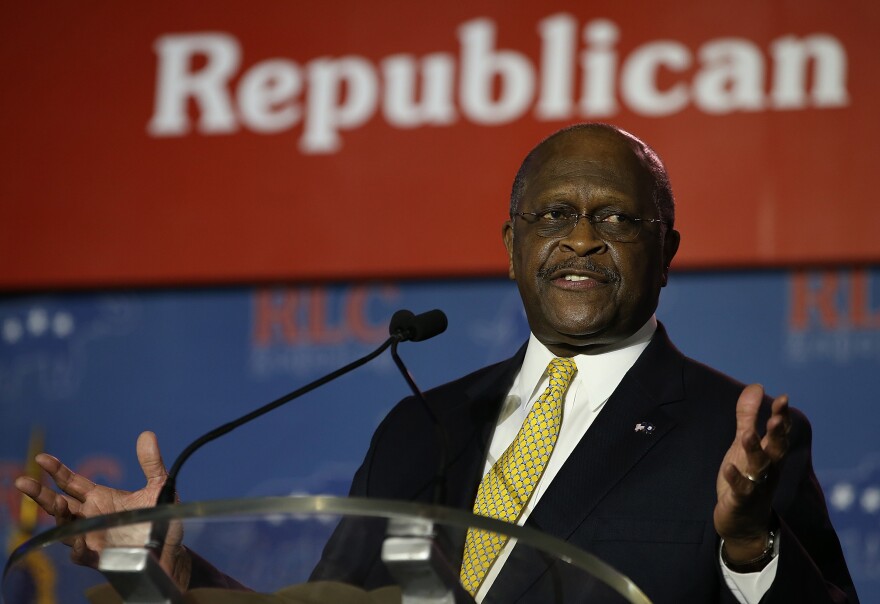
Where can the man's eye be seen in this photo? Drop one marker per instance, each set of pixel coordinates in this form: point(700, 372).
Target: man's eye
point(617, 218)
point(553, 215)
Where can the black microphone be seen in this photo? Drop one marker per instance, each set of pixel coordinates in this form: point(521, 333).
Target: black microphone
point(404, 326)
point(417, 328)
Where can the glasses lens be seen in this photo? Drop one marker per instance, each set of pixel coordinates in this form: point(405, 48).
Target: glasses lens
point(616, 228)
point(625, 229)
point(553, 224)
point(559, 227)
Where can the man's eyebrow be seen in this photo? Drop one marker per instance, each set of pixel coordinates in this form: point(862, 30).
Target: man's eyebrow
point(571, 192)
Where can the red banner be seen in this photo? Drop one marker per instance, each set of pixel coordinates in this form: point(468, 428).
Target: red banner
point(168, 143)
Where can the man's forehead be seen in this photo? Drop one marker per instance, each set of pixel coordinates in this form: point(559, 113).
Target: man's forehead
point(612, 166)
point(569, 166)
point(571, 173)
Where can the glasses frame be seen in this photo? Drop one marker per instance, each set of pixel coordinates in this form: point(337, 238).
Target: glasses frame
point(592, 219)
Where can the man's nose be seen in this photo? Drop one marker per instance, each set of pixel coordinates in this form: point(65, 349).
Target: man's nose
point(583, 239)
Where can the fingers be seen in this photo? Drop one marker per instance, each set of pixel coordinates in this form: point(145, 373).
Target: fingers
point(739, 484)
point(757, 462)
point(150, 458)
point(742, 488)
point(775, 441)
point(752, 460)
point(32, 488)
point(747, 408)
point(70, 482)
point(749, 472)
point(82, 554)
point(761, 453)
point(63, 508)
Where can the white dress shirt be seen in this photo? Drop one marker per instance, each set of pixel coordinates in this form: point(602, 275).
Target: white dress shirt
point(597, 377)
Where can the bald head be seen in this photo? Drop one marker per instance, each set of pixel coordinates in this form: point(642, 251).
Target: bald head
point(583, 288)
point(661, 189)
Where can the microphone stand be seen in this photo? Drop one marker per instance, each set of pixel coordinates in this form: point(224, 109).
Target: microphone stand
point(167, 494)
point(137, 576)
point(404, 325)
point(442, 438)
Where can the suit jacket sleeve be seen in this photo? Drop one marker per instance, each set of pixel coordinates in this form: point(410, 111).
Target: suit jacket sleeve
point(811, 563)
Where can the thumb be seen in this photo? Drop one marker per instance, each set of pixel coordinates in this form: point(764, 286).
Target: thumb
point(149, 457)
point(747, 407)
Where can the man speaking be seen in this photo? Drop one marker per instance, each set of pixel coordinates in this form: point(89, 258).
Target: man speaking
point(598, 431)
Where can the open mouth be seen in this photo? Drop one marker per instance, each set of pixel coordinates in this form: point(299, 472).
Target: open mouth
point(570, 275)
point(578, 281)
point(578, 272)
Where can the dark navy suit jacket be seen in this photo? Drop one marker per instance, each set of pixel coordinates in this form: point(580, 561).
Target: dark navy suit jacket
point(641, 501)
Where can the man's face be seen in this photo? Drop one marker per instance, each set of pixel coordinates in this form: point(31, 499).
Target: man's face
point(582, 293)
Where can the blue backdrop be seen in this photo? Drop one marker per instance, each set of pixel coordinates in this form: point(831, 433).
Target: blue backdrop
point(95, 369)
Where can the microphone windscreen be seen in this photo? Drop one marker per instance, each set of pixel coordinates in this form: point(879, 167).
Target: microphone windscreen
point(428, 324)
point(401, 323)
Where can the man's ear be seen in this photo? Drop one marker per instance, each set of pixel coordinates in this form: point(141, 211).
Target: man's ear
point(507, 236)
point(670, 247)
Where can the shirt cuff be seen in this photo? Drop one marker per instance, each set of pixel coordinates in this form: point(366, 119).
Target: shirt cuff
point(749, 588)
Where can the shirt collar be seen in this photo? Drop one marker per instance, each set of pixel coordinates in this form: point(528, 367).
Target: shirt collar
point(598, 374)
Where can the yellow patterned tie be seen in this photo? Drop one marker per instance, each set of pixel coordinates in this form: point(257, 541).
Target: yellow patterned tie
point(507, 486)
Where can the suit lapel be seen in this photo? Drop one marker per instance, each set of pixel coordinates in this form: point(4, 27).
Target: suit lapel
point(469, 422)
point(612, 446)
point(469, 425)
point(609, 450)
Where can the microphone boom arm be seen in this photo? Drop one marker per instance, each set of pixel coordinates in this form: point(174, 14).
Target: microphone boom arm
point(404, 326)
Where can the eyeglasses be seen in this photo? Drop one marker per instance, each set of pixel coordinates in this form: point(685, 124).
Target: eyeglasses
point(610, 226)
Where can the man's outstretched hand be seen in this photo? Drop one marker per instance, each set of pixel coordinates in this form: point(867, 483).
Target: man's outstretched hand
point(748, 476)
point(82, 498)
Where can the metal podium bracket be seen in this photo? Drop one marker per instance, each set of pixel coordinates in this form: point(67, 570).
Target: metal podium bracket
point(415, 561)
point(136, 576)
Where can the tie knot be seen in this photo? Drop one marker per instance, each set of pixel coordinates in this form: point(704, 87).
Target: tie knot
point(561, 369)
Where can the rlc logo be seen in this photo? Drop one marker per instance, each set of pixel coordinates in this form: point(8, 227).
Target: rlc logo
point(833, 300)
point(833, 316)
point(322, 315)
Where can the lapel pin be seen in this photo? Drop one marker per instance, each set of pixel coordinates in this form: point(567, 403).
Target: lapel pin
point(645, 427)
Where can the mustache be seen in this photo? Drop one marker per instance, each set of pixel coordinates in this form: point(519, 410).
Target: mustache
point(583, 264)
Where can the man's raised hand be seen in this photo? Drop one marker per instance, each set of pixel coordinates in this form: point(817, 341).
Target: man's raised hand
point(82, 498)
point(748, 476)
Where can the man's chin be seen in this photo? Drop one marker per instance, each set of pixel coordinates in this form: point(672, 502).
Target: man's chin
point(580, 334)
